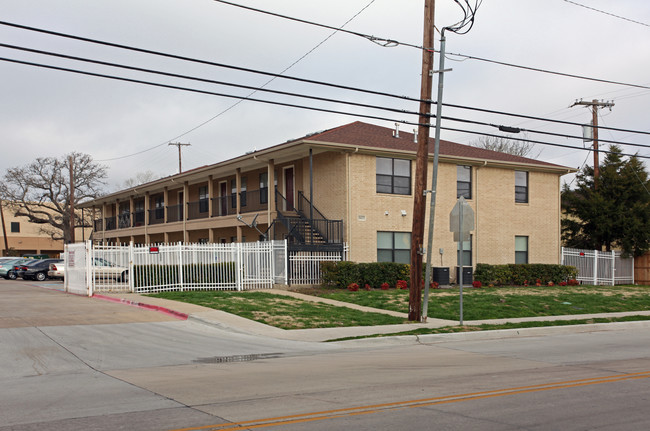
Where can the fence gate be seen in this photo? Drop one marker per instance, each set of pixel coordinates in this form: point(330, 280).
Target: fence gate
point(77, 268)
point(304, 266)
point(600, 267)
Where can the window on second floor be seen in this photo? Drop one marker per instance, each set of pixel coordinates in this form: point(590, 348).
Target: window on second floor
point(159, 206)
point(203, 199)
point(15, 227)
point(233, 193)
point(393, 176)
point(521, 187)
point(464, 181)
point(264, 188)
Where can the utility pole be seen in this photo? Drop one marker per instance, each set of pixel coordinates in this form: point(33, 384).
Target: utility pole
point(422, 160)
point(179, 145)
point(71, 166)
point(4, 229)
point(595, 104)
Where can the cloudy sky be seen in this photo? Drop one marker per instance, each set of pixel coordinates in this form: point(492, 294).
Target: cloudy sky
point(128, 126)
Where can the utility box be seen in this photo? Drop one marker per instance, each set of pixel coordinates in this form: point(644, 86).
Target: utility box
point(440, 275)
point(467, 275)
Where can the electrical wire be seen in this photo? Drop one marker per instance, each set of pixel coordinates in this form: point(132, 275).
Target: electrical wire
point(284, 93)
point(551, 72)
point(175, 87)
point(531, 117)
point(206, 62)
point(608, 13)
point(274, 78)
point(205, 80)
point(385, 42)
point(343, 87)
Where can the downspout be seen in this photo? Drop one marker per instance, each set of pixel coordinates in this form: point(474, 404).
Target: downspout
point(349, 206)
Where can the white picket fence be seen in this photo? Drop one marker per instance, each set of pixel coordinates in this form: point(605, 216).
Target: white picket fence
point(304, 266)
point(599, 267)
point(101, 268)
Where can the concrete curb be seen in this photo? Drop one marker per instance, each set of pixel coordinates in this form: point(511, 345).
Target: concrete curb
point(164, 310)
point(494, 334)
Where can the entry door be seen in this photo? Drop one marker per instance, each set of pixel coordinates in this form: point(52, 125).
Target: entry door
point(288, 187)
point(223, 201)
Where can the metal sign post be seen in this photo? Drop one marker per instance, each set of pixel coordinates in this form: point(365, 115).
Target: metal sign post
point(461, 222)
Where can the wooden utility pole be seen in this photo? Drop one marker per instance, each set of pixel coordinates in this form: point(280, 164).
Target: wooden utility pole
point(422, 160)
point(595, 104)
point(179, 145)
point(72, 223)
point(4, 229)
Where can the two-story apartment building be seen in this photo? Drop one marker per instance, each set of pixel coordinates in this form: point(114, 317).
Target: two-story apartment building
point(352, 184)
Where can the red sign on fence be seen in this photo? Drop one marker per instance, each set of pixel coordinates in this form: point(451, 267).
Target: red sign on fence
point(154, 250)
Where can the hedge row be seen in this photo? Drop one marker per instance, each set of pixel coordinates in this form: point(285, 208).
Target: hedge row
point(214, 273)
point(344, 273)
point(519, 274)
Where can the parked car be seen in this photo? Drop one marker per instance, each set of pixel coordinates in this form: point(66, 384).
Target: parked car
point(56, 270)
point(36, 269)
point(102, 268)
point(7, 266)
point(105, 269)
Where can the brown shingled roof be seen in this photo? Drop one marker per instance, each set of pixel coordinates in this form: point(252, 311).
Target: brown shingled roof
point(372, 136)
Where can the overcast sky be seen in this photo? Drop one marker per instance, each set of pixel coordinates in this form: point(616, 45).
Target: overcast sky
point(127, 126)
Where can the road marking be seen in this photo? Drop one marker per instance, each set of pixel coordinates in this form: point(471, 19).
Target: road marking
point(377, 408)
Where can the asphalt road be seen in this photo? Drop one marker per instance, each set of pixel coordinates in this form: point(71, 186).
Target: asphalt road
point(75, 363)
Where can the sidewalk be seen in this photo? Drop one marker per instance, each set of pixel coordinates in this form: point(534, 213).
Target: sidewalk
point(234, 323)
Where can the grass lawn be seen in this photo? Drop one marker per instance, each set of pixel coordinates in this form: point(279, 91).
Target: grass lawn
point(280, 311)
point(505, 302)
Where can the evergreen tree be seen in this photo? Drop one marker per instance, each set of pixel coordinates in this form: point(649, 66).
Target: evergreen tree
point(614, 214)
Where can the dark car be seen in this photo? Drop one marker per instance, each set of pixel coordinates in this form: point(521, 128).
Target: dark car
point(37, 269)
point(7, 265)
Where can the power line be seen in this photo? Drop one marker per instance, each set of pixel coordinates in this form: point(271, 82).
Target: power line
point(255, 88)
point(608, 13)
point(550, 72)
point(243, 69)
point(309, 81)
point(468, 57)
point(385, 42)
point(531, 117)
point(275, 77)
point(205, 80)
point(194, 90)
point(175, 87)
point(205, 62)
point(284, 93)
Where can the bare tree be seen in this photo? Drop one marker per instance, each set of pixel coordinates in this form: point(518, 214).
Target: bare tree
point(40, 191)
point(140, 178)
point(502, 144)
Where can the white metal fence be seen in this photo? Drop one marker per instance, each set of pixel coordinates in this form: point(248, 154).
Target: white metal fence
point(160, 267)
point(304, 266)
point(600, 267)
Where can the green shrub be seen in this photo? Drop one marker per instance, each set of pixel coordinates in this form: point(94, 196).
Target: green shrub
point(342, 274)
point(519, 274)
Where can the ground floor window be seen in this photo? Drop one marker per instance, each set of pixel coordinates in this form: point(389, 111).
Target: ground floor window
point(394, 247)
point(467, 252)
point(521, 249)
